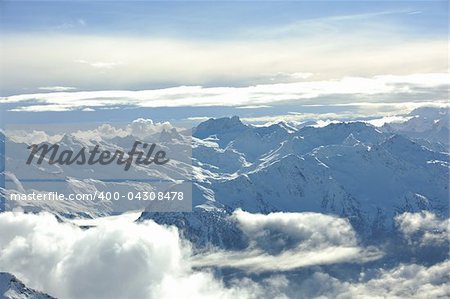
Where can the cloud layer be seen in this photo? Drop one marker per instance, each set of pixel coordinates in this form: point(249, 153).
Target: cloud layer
point(141, 128)
point(104, 62)
point(419, 86)
point(288, 241)
point(114, 260)
point(121, 259)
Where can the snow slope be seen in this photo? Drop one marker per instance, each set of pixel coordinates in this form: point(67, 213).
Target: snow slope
point(12, 288)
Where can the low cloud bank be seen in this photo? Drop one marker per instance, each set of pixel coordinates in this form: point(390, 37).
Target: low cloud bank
point(403, 281)
point(287, 241)
point(116, 259)
point(123, 259)
point(352, 89)
point(140, 128)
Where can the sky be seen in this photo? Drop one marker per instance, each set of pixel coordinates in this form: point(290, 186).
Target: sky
point(262, 61)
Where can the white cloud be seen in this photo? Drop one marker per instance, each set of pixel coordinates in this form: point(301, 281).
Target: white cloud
point(299, 75)
point(33, 137)
point(99, 64)
point(70, 25)
point(57, 88)
point(253, 107)
point(144, 127)
point(323, 123)
point(382, 112)
point(423, 228)
point(138, 62)
point(140, 128)
point(388, 119)
point(322, 119)
point(119, 258)
point(288, 241)
point(198, 118)
point(104, 131)
point(403, 281)
point(257, 95)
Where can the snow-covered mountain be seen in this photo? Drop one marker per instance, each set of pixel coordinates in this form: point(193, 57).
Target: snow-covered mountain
point(350, 169)
point(76, 179)
point(355, 170)
point(387, 185)
point(428, 126)
point(12, 288)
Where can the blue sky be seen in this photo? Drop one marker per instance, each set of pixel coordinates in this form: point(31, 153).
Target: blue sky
point(257, 59)
point(210, 20)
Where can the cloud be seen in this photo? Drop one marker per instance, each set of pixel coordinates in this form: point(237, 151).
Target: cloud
point(140, 128)
point(388, 119)
point(104, 131)
point(253, 107)
point(403, 281)
point(144, 127)
point(71, 25)
point(99, 64)
point(298, 118)
point(57, 88)
point(156, 61)
point(198, 118)
point(185, 96)
point(423, 228)
point(119, 258)
point(33, 137)
point(288, 241)
point(381, 113)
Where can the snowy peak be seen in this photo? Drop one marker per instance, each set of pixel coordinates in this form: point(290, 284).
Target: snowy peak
point(430, 126)
point(169, 135)
point(429, 112)
point(278, 128)
point(219, 126)
point(68, 140)
point(12, 288)
point(339, 132)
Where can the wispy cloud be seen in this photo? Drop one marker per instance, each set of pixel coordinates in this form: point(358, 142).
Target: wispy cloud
point(71, 25)
point(99, 64)
point(287, 241)
point(57, 88)
point(421, 86)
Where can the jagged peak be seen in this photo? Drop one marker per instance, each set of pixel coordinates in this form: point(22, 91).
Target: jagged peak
point(168, 135)
point(215, 126)
point(9, 283)
point(67, 139)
